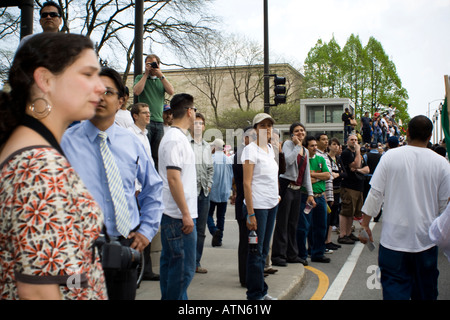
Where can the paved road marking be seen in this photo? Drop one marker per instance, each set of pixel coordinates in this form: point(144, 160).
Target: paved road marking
point(323, 283)
point(339, 283)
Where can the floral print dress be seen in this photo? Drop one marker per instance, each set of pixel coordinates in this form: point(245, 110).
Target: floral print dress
point(48, 225)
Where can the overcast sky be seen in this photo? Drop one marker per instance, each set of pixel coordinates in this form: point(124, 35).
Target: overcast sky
point(414, 34)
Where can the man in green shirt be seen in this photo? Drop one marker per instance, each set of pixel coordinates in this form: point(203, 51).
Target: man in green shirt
point(151, 88)
point(314, 222)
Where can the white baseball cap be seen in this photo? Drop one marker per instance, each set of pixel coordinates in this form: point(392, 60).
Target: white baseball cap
point(260, 117)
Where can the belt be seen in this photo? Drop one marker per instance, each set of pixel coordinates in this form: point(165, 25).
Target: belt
point(293, 186)
point(318, 195)
point(315, 195)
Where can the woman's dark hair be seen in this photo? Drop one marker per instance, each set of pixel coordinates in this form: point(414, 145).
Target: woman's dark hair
point(54, 51)
point(335, 140)
point(295, 125)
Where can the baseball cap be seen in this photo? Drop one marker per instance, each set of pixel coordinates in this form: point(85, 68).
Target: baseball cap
point(260, 117)
point(166, 108)
point(218, 144)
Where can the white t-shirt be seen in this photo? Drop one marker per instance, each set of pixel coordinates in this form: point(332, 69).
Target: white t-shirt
point(415, 185)
point(265, 176)
point(440, 231)
point(123, 118)
point(175, 152)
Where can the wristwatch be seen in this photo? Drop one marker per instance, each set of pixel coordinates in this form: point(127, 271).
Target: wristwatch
point(162, 78)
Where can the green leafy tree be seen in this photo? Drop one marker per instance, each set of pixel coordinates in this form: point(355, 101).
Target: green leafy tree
point(364, 74)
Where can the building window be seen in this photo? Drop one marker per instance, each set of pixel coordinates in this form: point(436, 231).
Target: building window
point(333, 114)
point(324, 113)
point(315, 114)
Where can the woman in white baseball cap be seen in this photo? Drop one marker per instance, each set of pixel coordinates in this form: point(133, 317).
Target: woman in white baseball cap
point(261, 201)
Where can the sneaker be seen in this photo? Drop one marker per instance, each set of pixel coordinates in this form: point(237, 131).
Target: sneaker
point(329, 251)
point(321, 259)
point(216, 241)
point(201, 270)
point(267, 297)
point(345, 240)
point(332, 246)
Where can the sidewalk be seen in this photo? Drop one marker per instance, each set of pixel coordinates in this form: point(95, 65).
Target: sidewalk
point(222, 280)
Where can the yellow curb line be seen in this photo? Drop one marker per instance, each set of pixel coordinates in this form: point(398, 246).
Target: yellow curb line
point(323, 283)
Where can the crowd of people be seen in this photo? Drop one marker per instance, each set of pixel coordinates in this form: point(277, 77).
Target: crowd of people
point(88, 181)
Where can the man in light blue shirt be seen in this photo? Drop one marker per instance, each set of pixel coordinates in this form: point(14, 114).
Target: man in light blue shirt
point(220, 191)
point(81, 145)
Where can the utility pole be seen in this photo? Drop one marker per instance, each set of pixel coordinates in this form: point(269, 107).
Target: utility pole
point(26, 17)
point(138, 39)
point(266, 59)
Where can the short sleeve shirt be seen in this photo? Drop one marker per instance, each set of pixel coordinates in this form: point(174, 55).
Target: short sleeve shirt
point(175, 152)
point(265, 176)
point(48, 225)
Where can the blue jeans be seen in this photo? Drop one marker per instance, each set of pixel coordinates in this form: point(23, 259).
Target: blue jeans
point(406, 275)
point(221, 210)
point(347, 131)
point(312, 227)
point(177, 263)
point(256, 286)
point(202, 210)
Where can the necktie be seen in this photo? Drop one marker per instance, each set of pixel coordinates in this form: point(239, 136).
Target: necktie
point(115, 187)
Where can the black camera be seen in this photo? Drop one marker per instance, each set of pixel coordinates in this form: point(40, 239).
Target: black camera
point(114, 255)
point(154, 65)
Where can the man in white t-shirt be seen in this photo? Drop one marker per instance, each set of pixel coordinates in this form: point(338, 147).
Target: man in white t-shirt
point(414, 184)
point(178, 173)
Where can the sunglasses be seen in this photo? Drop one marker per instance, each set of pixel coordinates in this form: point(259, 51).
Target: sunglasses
point(51, 14)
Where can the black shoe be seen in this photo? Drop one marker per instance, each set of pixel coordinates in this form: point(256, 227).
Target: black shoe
point(353, 237)
point(298, 260)
point(279, 262)
point(150, 277)
point(332, 246)
point(216, 242)
point(321, 259)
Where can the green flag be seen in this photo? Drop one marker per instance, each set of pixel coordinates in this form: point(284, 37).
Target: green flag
point(445, 122)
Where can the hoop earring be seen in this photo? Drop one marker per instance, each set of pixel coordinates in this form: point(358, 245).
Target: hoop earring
point(40, 114)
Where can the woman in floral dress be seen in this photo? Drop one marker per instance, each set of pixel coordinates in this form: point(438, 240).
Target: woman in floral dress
point(48, 220)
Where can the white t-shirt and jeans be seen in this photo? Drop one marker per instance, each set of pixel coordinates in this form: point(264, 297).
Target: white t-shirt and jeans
point(177, 263)
point(414, 184)
point(265, 205)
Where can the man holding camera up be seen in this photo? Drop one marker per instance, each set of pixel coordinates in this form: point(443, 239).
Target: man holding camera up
point(150, 88)
point(109, 159)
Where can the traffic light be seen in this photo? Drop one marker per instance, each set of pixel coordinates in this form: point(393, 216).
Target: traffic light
point(279, 90)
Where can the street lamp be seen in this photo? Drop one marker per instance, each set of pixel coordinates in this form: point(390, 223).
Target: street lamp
point(429, 103)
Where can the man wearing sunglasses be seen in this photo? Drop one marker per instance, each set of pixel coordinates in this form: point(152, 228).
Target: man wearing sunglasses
point(50, 14)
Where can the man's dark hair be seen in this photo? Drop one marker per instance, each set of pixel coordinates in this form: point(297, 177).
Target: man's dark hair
point(319, 135)
point(307, 140)
point(51, 4)
point(136, 109)
point(180, 103)
point(201, 116)
point(114, 76)
point(420, 128)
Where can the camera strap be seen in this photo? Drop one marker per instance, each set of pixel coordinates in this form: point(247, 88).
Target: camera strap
point(40, 128)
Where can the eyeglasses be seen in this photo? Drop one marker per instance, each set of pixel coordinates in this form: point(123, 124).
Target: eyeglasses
point(51, 14)
point(194, 108)
point(110, 92)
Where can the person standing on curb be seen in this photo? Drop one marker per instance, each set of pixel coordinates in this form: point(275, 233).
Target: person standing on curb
point(261, 202)
point(179, 175)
